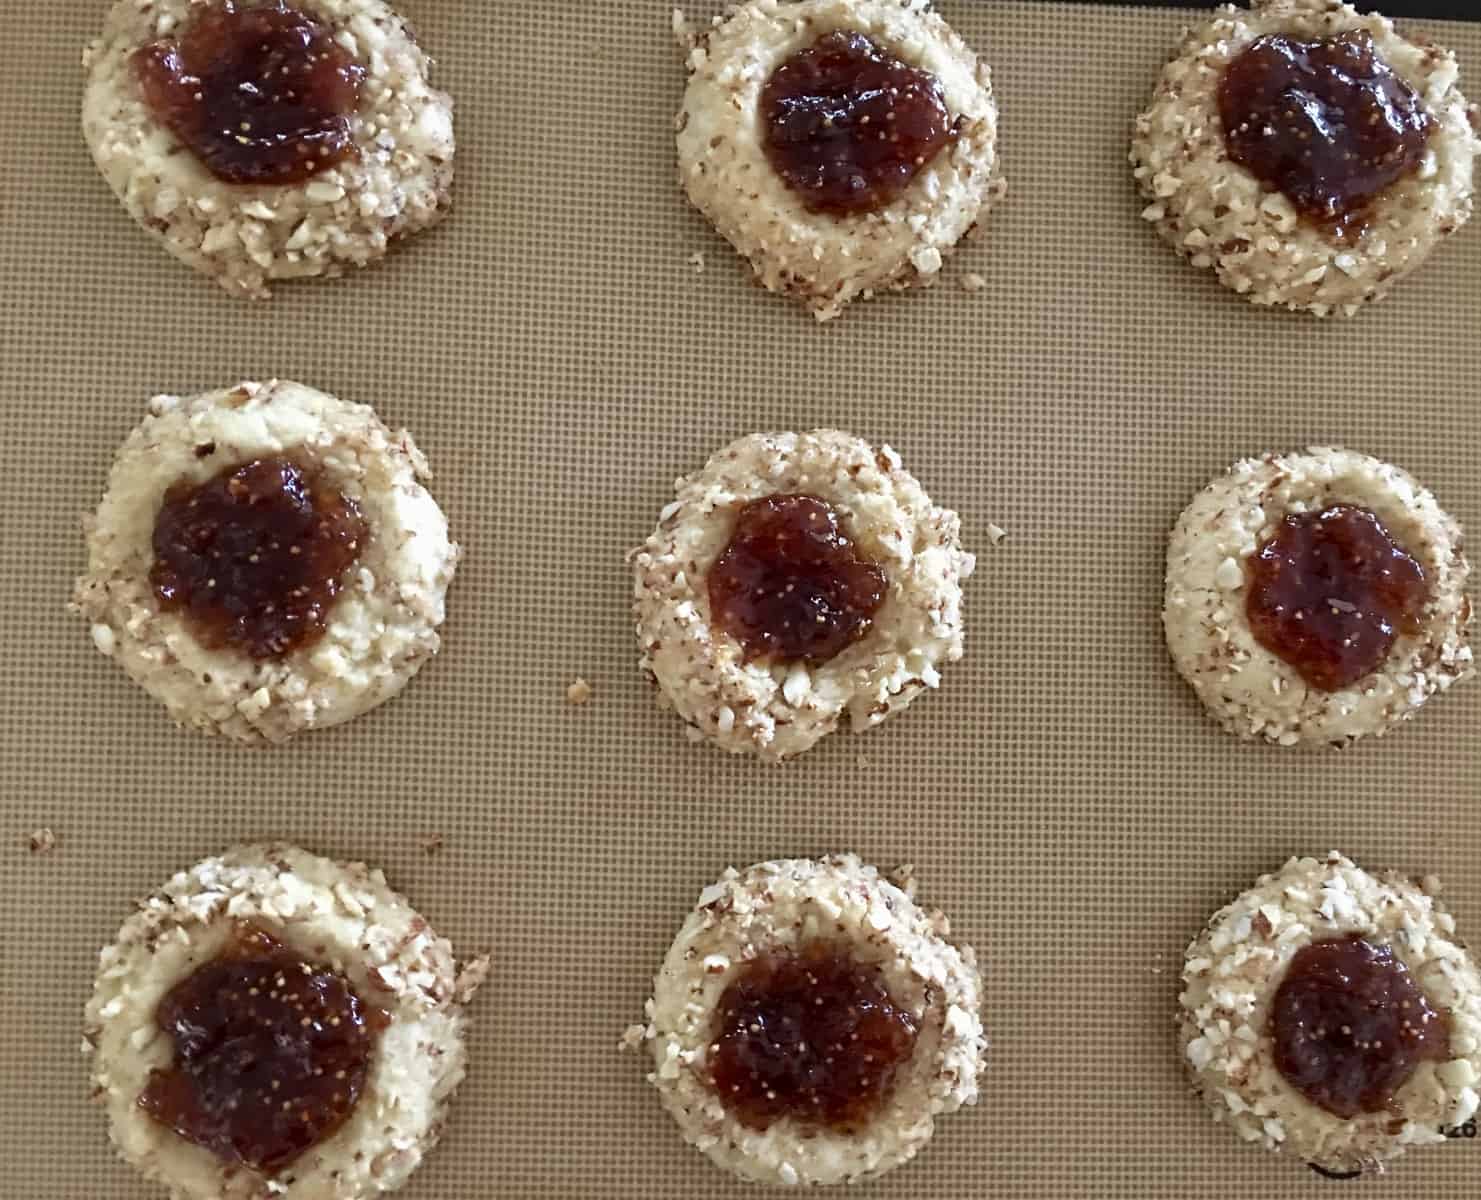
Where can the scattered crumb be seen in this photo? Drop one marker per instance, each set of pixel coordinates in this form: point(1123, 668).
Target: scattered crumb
point(973, 282)
point(863, 763)
point(1156, 970)
point(632, 1037)
point(903, 877)
point(697, 261)
point(471, 978)
point(432, 843)
point(43, 841)
point(579, 692)
point(996, 534)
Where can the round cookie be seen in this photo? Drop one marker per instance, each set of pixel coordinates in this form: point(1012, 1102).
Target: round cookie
point(779, 911)
point(1220, 216)
point(378, 628)
point(393, 180)
point(337, 918)
point(1252, 692)
point(767, 705)
point(1236, 975)
point(825, 259)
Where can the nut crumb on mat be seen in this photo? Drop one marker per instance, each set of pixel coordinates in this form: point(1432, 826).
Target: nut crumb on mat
point(472, 977)
point(579, 692)
point(42, 841)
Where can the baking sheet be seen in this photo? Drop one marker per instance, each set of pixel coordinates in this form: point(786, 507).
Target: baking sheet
point(560, 360)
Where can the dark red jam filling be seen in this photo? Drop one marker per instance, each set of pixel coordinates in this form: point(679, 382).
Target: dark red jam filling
point(791, 586)
point(811, 1035)
point(1326, 122)
point(1350, 1025)
point(260, 95)
point(847, 126)
point(271, 1053)
point(1330, 593)
point(254, 557)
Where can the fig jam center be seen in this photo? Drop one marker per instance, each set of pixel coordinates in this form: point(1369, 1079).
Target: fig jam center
point(260, 95)
point(812, 1035)
point(790, 585)
point(254, 557)
point(847, 126)
point(1330, 593)
point(271, 1053)
point(1350, 1025)
point(1325, 122)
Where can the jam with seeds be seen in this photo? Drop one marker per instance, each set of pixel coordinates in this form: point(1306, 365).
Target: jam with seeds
point(271, 1053)
point(847, 126)
point(1326, 122)
point(254, 557)
point(810, 1035)
point(1330, 593)
point(260, 95)
point(1350, 1025)
point(791, 586)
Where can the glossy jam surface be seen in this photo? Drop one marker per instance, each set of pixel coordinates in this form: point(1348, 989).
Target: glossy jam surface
point(811, 1035)
point(1325, 122)
point(1330, 592)
point(254, 557)
point(1349, 1025)
point(271, 1053)
point(791, 586)
point(847, 126)
point(260, 95)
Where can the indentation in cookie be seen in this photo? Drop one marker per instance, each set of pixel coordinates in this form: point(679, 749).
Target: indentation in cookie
point(255, 556)
point(847, 125)
point(260, 95)
point(271, 1053)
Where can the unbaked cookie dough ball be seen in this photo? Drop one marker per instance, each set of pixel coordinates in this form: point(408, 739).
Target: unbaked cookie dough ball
point(271, 1023)
point(262, 140)
point(810, 1022)
point(841, 146)
point(1334, 1015)
point(1316, 597)
point(1310, 155)
point(796, 581)
point(266, 560)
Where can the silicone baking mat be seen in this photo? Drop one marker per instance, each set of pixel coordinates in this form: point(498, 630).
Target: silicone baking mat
point(561, 359)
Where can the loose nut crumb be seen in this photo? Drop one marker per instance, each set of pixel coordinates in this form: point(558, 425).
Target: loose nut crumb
point(996, 534)
point(697, 261)
point(579, 692)
point(432, 843)
point(43, 841)
point(973, 282)
point(632, 1038)
point(471, 978)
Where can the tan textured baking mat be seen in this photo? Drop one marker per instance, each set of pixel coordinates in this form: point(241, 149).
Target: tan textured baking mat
point(561, 360)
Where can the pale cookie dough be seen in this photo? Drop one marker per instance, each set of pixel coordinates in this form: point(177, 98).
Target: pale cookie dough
point(780, 905)
point(822, 260)
point(341, 915)
point(1230, 978)
point(1246, 688)
point(248, 236)
point(1220, 217)
point(776, 710)
point(384, 622)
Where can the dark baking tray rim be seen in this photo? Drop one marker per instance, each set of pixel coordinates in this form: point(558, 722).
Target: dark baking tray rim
point(1434, 10)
